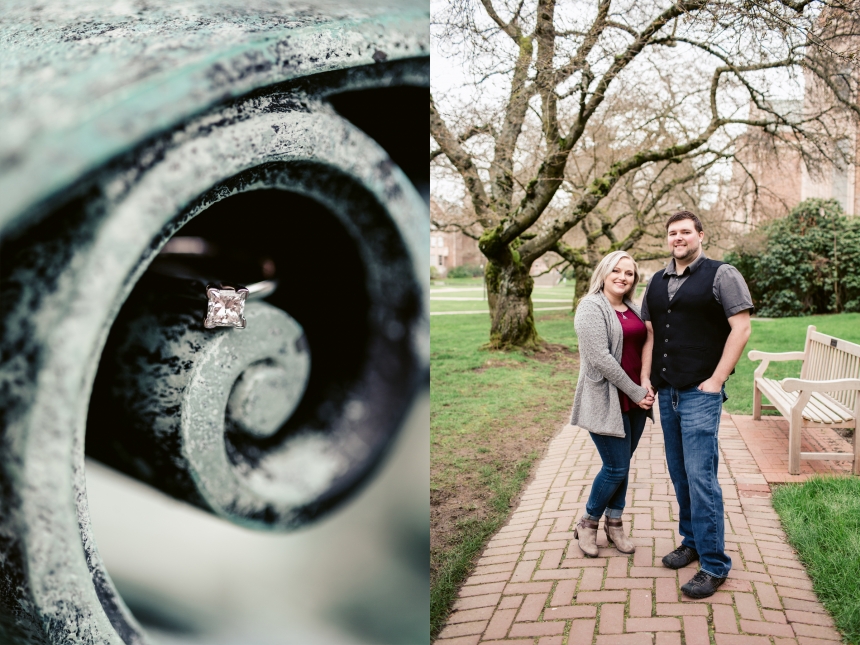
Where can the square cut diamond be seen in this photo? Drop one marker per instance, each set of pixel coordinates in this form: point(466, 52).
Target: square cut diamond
point(226, 308)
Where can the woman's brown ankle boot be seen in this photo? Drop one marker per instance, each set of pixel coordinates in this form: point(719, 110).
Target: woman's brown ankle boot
point(616, 534)
point(586, 533)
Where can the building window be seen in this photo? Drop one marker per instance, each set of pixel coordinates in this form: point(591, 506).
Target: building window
point(441, 260)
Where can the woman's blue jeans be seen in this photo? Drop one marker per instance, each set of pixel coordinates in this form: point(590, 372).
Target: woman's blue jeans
point(691, 421)
point(610, 486)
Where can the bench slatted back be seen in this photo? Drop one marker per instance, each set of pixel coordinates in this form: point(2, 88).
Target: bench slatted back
point(830, 358)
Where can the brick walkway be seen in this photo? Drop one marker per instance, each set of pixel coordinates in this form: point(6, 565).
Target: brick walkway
point(533, 585)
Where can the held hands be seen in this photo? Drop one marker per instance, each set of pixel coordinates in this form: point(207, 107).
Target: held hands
point(646, 383)
point(647, 402)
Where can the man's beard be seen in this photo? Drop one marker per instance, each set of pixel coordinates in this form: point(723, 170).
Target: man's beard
point(689, 252)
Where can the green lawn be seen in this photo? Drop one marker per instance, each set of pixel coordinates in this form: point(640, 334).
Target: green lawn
point(822, 519)
point(467, 294)
point(782, 335)
point(456, 282)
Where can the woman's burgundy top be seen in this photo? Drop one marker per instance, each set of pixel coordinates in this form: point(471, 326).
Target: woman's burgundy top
point(631, 353)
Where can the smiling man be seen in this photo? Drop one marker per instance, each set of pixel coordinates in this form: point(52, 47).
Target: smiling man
point(697, 312)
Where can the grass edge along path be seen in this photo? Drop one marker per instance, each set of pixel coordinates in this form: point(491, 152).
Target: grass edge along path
point(821, 518)
point(492, 417)
point(456, 563)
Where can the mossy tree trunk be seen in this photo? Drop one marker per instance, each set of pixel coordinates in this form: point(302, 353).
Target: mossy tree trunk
point(509, 291)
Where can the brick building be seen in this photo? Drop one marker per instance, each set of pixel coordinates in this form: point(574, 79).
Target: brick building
point(449, 250)
point(769, 178)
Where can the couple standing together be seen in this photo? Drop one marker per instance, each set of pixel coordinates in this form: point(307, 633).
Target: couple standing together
point(678, 351)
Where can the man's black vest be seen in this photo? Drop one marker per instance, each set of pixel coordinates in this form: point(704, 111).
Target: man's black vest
point(690, 332)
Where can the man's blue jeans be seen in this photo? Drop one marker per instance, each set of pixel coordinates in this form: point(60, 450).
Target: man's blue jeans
point(690, 420)
point(609, 489)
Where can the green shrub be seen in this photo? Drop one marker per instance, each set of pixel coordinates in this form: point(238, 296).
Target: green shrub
point(805, 263)
point(466, 271)
point(434, 273)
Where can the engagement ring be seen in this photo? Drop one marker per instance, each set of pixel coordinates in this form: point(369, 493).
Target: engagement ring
point(192, 258)
point(227, 304)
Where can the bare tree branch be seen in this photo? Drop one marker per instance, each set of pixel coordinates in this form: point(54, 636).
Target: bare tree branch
point(543, 188)
point(463, 138)
point(510, 28)
point(461, 160)
point(600, 187)
point(502, 168)
point(797, 6)
point(451, 227)
point(572, 256)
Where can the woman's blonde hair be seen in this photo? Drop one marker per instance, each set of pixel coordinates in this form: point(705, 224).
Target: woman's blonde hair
point(605, 267)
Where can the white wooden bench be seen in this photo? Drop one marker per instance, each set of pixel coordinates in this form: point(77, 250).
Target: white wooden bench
point(827, 394)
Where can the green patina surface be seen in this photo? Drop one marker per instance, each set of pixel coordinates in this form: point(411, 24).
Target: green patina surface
point(78, 86)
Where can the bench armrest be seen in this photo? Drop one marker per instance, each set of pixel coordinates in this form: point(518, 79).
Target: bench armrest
point(756, 355)
point(794, 384)
point(767, 357)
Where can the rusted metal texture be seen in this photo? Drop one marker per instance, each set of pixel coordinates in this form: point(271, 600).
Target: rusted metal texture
point(122, 123)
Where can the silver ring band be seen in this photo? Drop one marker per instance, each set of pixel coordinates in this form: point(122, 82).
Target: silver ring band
point(262, 289)
point(226, 301)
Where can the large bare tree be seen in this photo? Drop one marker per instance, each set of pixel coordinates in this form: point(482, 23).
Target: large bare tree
point(631, 216)
point(589, 113)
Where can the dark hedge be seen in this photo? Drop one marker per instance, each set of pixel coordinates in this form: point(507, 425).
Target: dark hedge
point(805, 263)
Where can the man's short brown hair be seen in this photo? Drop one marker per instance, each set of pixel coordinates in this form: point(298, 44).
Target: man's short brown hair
point(677, 217)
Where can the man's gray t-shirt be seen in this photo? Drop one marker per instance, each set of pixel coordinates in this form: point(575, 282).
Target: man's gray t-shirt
point(730, 289)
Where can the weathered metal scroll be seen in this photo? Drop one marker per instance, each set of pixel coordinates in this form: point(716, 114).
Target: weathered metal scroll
point(121, 127)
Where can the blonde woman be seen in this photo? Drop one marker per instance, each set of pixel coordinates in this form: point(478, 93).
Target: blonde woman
point(612, 396)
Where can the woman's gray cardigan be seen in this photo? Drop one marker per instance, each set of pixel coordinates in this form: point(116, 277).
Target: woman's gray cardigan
point(596, 406)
